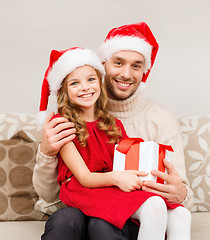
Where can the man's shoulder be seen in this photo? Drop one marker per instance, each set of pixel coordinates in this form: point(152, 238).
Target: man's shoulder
point(162, 121)
point(156, 111)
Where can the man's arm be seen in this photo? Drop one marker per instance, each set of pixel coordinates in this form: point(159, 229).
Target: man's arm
point(174, 191)
point(45, 177)
point(55, 134)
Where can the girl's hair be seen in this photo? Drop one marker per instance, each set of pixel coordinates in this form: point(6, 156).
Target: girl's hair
point(71, 111)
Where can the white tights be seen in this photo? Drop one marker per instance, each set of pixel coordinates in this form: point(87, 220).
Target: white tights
point(155, 220)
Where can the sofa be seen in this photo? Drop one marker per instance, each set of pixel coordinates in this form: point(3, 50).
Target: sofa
point(19, 139)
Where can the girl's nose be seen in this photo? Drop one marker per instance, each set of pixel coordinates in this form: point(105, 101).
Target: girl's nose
point(85, 86)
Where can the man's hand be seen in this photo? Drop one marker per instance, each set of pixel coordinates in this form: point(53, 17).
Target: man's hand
point(55, 134)
point(174, 190)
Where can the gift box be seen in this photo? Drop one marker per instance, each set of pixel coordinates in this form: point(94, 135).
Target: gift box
point(137, 154)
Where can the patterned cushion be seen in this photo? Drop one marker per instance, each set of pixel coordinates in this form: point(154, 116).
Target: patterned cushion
point(196, 139)
point(17, 195)
point(11, 123)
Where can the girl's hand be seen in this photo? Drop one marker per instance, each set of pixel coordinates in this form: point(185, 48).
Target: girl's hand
point(128, 180)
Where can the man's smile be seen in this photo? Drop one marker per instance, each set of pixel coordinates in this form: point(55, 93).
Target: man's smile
point(122, 84)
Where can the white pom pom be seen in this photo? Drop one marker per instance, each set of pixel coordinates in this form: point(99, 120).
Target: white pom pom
point(41, 117)
point(142, 87)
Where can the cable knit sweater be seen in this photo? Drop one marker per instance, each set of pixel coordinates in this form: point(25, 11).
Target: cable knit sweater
point(141, 117)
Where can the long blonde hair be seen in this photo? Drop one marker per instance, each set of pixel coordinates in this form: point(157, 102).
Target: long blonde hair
point(71, 111)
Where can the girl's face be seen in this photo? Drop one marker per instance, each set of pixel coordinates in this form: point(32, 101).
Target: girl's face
point(83, 87)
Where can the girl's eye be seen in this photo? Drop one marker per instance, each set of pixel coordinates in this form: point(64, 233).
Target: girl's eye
point(73, 83)
point(91, 79)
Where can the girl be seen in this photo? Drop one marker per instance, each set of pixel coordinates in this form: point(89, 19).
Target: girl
point(85, 164)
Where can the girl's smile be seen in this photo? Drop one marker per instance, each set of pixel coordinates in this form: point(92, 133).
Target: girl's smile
point(87, 95)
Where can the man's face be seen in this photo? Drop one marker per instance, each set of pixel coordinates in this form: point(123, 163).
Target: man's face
point(124, 71)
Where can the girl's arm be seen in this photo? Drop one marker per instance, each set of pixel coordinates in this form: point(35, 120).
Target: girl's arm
point(126, 180)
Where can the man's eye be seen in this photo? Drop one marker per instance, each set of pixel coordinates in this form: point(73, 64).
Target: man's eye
point(118, 63)
point(136, 66)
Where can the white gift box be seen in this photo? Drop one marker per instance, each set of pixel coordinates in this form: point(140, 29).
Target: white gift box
point(149, 155)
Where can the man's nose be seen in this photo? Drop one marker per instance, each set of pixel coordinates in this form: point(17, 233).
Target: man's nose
point(126, 72)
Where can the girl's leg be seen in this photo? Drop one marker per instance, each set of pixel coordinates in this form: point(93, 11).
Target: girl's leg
point(153, 218)
point(179, 223)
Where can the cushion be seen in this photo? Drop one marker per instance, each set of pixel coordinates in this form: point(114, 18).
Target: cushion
point(196, 139)
point(17, 195)
point(11, 123)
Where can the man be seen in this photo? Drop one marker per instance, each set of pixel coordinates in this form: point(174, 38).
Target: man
point(128, 55)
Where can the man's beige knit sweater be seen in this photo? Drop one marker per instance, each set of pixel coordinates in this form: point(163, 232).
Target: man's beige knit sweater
point(141, 117)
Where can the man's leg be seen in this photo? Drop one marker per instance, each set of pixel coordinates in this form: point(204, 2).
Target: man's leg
point(100, 229)
point(65, 224)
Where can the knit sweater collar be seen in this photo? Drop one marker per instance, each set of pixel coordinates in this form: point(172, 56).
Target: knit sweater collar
point(127, 108)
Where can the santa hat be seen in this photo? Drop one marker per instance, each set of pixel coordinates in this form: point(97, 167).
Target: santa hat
point(60, 65)
point(135, 37)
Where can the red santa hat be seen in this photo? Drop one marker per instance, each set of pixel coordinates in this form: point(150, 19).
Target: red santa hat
point(135, 37)
point(60, 65)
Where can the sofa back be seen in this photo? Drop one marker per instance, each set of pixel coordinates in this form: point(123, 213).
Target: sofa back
point(196, 143)
point(19, 138)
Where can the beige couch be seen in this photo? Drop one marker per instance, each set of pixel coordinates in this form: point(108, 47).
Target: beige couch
point(19, 139)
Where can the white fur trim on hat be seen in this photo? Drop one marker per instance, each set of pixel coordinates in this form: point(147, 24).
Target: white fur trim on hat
point(143, 87)
point(119, 43)
point(68, 62)
point(41, 117)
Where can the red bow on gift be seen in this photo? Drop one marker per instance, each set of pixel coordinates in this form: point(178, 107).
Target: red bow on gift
point(131, 147)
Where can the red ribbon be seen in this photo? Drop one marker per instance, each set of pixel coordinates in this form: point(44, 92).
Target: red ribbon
point(162, 154)
point(131, 147)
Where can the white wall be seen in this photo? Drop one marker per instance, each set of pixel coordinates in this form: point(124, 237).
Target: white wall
point(180, 79)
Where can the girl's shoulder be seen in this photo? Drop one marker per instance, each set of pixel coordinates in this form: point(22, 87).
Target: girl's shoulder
point(118, 122)
point(120, 125)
